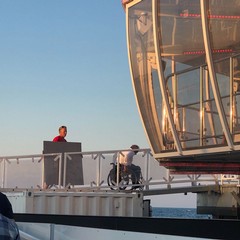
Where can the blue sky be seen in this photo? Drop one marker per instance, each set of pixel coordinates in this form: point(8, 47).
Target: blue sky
point(65, 63)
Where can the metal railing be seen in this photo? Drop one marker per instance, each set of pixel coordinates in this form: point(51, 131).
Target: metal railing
point(7, 161)
point(114, 156)
point(197, 67)
point(27, 171)
point(204, 106)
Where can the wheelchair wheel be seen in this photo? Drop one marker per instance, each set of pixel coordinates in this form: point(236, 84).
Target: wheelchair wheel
point(141, 186)
point(126, 178)
point(112, 179)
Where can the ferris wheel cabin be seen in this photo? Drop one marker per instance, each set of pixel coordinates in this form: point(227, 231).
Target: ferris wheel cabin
point(184, 58)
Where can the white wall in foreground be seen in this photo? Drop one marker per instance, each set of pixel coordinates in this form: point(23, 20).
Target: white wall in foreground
point(60, 232)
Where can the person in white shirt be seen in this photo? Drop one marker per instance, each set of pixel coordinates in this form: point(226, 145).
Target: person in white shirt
point(126, 159)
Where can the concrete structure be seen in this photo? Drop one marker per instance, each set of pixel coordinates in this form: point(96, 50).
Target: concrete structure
point(222, 204)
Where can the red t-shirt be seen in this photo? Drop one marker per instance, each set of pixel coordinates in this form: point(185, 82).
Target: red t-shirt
point(59, 139)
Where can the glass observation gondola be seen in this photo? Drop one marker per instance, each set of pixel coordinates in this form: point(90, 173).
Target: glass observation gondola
point(184, 60)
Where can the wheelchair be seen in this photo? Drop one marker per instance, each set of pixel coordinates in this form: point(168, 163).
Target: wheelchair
point(126, 177)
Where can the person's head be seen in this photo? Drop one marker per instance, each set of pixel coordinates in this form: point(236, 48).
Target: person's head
point(135, 148)
point(63, 131)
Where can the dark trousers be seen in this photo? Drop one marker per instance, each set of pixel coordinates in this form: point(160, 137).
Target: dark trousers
point(137, 170)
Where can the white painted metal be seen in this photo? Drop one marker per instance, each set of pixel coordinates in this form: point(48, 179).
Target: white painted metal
point(4, 173)
point(196, 152)
point(118, 167)
point(77, 203)
point(7, 160)
point(41, 231)
point(133, 2)
point(201, 127)
point(231, 103)
point(144, 156)
point(59, 157)
point(147, 166)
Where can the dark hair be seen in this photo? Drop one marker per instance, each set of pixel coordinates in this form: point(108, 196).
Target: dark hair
point(134, 146)
point(62, 128)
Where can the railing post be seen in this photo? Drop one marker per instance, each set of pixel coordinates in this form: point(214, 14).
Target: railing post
point(3, 173)
point(147, 167)
point(222, 179)
point(98, 169)
point(43, 174)
point(175, 99)
point(118, 168)
point(201, 108)
point(66, 158)
point(231, 102)
point(60, 169)
point(194, 179)
point(183, 127)
point(168, 179)
point(52, 226)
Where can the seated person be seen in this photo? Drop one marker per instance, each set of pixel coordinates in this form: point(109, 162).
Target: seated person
point(126, 159)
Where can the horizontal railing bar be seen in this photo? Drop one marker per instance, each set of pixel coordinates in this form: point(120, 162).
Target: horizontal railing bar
point(106, 152)
point(29, 156)
point(193, 189)
point(198, 67)
point(179, 106)
point(85, 187)
point(69, 153)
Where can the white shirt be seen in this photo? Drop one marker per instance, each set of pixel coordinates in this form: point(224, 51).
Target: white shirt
point(126, 158)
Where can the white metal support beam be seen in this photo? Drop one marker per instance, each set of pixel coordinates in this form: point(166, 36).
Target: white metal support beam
point(212, 74)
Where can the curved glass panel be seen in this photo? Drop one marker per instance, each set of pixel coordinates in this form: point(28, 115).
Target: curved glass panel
point(211, 126)
point(181, 32)
point(224, 25)
point(182, 52)
point(143, 67)
point(186, 73)
point(188, 108)
point(234, 105)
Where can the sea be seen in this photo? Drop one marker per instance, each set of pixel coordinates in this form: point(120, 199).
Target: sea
point(191, 213)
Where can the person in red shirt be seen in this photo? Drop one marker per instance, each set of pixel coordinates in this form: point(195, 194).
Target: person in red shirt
point(62, 135)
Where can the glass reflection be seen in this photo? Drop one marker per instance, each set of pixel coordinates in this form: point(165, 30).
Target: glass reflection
point(186, 74)
point(143, 63)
